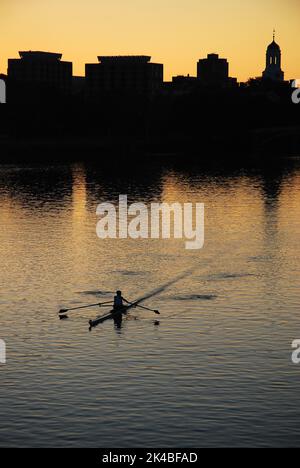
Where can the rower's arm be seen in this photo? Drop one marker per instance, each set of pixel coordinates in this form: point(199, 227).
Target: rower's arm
point(127, 302)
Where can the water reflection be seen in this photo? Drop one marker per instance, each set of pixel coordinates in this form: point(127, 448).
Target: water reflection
point(118, 322)
point(36, 185)
point(224, 332)
point(79, 192)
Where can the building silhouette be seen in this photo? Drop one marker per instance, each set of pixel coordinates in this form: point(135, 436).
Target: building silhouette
point(213, 71)
point(181, 84)
point(123, 75)
point(273, 62)
point(43, 69)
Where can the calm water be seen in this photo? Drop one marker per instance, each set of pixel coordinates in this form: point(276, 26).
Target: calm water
point(217, 370)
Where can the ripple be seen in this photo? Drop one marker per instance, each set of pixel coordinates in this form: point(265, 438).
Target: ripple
point(195, 297)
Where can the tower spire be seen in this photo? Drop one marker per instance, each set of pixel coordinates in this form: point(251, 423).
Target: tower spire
point(273, 62)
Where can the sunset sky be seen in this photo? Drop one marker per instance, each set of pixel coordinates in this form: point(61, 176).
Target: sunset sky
point(174, 32)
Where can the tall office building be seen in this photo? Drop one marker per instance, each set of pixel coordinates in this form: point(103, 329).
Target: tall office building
point(41, 68)
point(123, 75)
point(213, 71)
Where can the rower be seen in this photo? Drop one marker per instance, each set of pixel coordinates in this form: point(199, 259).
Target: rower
point(119, 301)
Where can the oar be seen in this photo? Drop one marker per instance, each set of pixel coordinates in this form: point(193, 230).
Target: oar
point(147, 308)
point(62, 312)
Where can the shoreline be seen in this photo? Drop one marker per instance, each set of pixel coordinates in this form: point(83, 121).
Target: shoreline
point(261, 144)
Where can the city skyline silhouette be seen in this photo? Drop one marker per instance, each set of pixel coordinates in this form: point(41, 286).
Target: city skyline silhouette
point(174, 33)
point(273, 68)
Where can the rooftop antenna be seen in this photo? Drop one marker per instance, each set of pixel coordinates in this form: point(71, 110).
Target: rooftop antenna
point(274, 32)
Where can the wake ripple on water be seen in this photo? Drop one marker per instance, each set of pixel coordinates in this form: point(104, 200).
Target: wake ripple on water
point(95, 293)
point(195, 297)
point(227, 276)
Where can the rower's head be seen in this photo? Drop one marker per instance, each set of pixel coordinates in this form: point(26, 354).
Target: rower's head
point(119, 293)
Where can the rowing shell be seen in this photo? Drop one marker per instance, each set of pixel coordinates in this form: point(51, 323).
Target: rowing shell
point(112, 315)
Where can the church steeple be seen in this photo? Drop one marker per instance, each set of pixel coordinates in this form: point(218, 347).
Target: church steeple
point(273, 62)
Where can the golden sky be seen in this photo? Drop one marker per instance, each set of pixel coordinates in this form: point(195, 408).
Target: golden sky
point(174, 32)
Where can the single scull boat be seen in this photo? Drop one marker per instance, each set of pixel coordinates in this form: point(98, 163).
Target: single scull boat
point(112, 314)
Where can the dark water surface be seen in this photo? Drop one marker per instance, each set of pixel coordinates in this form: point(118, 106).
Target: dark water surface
point(217, 371)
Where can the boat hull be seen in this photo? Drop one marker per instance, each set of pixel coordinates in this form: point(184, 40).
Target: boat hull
point(112, 315)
